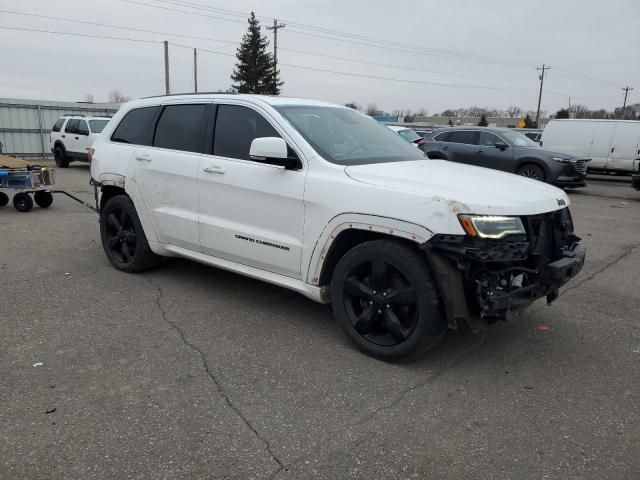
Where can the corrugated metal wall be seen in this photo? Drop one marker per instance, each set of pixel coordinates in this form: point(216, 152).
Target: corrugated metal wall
point(25, 124)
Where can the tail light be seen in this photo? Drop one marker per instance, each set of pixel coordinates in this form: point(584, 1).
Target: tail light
point(90, 153)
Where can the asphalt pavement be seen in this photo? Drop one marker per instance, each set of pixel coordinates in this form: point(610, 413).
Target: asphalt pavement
point(189, 372)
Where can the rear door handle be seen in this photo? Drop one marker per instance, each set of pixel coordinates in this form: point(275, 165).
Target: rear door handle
point(63, 136)
point(143, 158)
point(480, 152)
point(214, 169)
point(77, 138)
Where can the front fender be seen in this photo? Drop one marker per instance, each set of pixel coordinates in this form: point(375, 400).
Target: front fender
point(371, 223)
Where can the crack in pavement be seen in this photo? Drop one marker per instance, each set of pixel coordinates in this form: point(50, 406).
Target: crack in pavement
point(399, 398)
point(212, 375)
point(608, 265)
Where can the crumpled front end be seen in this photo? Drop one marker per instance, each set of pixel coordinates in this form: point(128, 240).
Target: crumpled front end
point(485, 280)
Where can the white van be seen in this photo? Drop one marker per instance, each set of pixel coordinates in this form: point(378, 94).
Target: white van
point(612, 145)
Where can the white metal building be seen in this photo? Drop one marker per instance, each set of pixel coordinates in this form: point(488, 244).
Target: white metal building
point(25, 124)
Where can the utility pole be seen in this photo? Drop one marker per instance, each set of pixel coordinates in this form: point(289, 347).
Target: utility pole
point(166, 67)
point(276, 26)
point(544, 67)
point(626, 91)
point(195, 70)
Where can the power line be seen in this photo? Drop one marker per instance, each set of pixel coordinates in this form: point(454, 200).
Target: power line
point(89, 35)
point(580, 75)
point(424, 51)
point(155, 32)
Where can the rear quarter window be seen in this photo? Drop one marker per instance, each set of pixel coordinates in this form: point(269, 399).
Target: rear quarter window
point(136, 127)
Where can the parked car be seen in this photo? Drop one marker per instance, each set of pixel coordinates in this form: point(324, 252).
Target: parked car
point(612, 145)
point(409, 135)
point(325, 201)
point(635, 178)
point(506, 150)
point(72, 136)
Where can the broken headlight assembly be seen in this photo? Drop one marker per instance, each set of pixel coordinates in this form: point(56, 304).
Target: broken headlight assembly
point(491, 226)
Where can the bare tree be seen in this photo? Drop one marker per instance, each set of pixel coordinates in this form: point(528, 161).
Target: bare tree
point(514, 111)
point(89, 98)
point(373, 110)
point(116, 96)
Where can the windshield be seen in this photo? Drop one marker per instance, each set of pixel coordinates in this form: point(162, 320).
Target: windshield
point(409, 135)
point(518, 139)
point(346, 137)
point(98, 125)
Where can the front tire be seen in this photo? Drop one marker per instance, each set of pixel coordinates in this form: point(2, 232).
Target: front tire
point(532, 171)
point(123, 238)
point(385, 299)
point(60, 157)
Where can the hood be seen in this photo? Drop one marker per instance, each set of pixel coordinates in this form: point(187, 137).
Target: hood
point(463, 188)
point(540, 151)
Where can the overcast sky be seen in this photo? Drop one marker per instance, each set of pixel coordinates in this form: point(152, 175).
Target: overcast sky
point(467, 43)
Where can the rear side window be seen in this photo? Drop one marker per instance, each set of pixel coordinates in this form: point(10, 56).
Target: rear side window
point(442, 137)
point(182, 127)
point(236, 127)
point(136, 127)
point(72, 126)
point(58, 125)
point(83, 129)
point(468, 137)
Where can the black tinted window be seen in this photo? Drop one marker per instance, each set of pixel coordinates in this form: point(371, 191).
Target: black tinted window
point(72, 126)
point(181, 127)
point(488, 139)
point(236, 127)
point(58, 125)
point(442, 137)
point(135, 127)
point(464, 136)
point(83, 129)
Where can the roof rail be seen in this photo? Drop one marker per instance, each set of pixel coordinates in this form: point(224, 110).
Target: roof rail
point(191, 93)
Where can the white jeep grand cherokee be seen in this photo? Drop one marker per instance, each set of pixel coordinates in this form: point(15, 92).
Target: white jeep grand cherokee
point(325, 201)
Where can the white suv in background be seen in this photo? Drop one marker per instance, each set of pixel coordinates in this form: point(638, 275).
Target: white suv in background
point(72, 136)
point(323, 200)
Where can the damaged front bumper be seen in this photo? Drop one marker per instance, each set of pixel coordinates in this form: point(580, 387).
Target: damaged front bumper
point(482, 281)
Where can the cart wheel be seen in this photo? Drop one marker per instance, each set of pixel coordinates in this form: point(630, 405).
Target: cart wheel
point(22, 202)
point(43, 199)
point(4, 199)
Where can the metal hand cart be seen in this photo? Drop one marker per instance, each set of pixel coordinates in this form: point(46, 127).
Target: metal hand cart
point(26, 180)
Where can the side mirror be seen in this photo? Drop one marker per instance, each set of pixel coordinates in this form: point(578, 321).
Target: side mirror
point(501, 145)
point(272, 150)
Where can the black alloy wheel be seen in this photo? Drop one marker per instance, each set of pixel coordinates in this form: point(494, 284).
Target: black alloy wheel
point(384, 297)
point(123, 238)
point(121, 235)
point(380, 303)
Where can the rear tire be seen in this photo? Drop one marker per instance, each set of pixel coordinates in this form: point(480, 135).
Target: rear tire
point(4, 199)
point(60, 157)
point(123, 238)
point(532, 171)
point(43, 199)
point(385, 299)
point(22, 202)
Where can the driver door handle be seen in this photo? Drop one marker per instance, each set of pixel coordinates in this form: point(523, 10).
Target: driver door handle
point(480, 152)
point(214, 169)
point(143, 157)
point(445, 148)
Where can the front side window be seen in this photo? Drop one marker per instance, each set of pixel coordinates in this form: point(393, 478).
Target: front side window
point(181, 127)
point(236, 127)
point(135, 127)
point(518, 139)
point(83, 128)
point(58, 125)
point(72, 126)
point(468, 137)
point(442, 137)
point(97, 125)
point(347, 137)
point(488, 139)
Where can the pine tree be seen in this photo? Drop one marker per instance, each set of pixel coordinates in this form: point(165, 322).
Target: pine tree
point(255, 71)
point(483, 121)
point(528, 122)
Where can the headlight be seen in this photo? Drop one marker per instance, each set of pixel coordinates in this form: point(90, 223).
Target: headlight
point(562, 160)
point(490, 226)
